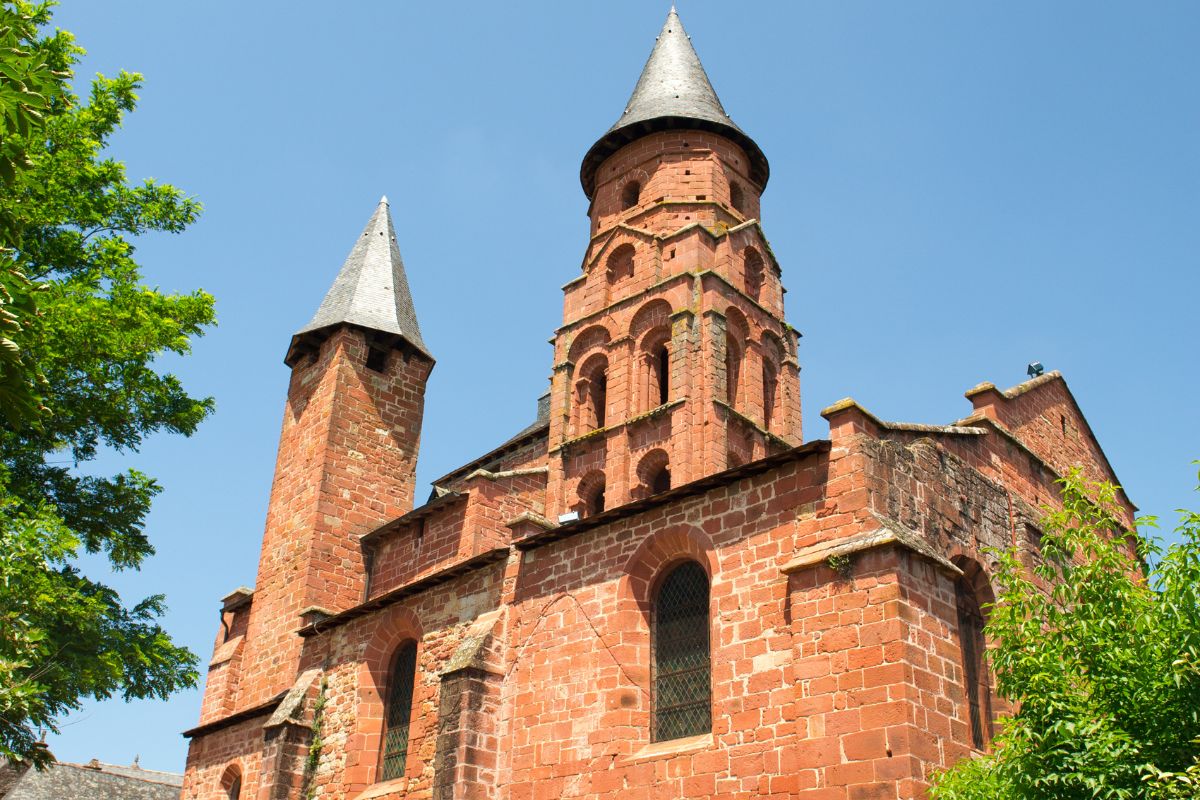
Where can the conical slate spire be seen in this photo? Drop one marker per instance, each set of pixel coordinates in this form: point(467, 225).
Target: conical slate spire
point(672, 92)
point(371, 289)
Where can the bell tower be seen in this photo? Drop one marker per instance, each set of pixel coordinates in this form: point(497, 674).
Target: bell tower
point(674, 360)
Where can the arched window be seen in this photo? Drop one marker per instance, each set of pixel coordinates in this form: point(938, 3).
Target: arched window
point(770, 393)
point(591, 494)
point(680, 663)
point(653, 474)
point(652, 332)
point(231, 782)
point(620, 263)
point(752, 267)
point(737, 337)
point(972, 648)
point(398, 712)
point(630, 195)
point(591, 395)
point(736, 198)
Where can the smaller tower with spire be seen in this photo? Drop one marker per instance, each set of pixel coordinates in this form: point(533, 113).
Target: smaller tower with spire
point(346, 463)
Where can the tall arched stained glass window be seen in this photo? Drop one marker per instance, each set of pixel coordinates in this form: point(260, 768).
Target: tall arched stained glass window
point(681, 668)
point(399, 711)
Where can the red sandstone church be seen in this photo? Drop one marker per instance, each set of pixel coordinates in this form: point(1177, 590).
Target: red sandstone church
point(656, 590)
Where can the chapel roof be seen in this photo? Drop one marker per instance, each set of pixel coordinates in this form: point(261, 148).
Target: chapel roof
point(92, 781)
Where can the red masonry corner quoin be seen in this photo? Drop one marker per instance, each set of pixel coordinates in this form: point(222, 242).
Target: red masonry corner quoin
point(830, 647)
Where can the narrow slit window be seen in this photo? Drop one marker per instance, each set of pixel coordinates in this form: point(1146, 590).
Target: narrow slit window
point(770, 392)
point(663, 361)
point(733, 370)
point(661, 481)
point(399, 712)
point(975, 678)
point(736, 197)
point(600, 397)
point(679, 654)
point(753, 267)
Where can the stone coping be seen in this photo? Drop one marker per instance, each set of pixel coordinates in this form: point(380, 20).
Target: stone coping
point(673, 747)
point(407, 590)
point(239, 597)
point(420, 512)
point(890, 532)
point(260, 710)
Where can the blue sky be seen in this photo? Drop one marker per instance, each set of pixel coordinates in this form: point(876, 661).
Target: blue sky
point(956, 189)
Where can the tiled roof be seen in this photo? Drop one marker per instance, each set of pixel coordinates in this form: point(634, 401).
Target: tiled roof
point(93, 781)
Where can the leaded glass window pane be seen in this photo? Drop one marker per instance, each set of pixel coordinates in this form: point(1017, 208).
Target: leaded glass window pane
point(399, 712)
point(680, 661)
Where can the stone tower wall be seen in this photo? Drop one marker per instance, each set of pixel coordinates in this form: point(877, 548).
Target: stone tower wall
point(346, 464)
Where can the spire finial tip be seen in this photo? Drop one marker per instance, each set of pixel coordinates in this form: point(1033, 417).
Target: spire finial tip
point(383, 201)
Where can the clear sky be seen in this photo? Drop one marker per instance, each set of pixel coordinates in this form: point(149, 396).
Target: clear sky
point(956, 189)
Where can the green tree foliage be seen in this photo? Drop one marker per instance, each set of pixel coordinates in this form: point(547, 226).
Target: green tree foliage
point(32, 81)
point(85, 331)
point(1104, 671)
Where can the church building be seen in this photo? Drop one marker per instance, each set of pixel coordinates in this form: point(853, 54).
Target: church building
point(659, 588)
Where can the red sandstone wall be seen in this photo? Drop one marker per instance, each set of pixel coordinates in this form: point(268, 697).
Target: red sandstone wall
point(1044, 416)
point(357, 657)
point(209, 757)
point(678, 165)
point(457, 531)
point(825, 685)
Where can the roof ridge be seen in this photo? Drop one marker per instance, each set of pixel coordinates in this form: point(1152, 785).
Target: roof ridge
point(126, 771)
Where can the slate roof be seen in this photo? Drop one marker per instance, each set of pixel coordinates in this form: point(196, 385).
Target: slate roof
point(371, 289)
point(94, 781)
point(672, 92)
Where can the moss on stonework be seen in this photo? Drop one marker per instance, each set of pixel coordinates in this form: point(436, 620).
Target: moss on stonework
point(841, 564)
point(315, 746)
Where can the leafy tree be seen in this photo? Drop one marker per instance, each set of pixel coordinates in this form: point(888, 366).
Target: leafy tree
point(86, 337)
point(1104, 671)
point(31, 82)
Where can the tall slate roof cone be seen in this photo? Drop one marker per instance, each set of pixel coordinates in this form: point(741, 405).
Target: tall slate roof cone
point(370, 291)
point(673, 92)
